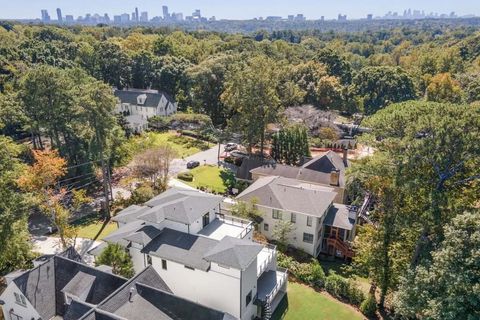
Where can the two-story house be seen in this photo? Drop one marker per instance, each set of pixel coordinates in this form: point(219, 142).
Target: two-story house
point(138, 105)
point(201, 254)
point(311, 209)
point(326, 170)
point(63, 287)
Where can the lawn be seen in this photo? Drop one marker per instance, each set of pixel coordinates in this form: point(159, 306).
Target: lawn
point(304, 303)
point(184, 146)
point(89, 227)
point(210, 177)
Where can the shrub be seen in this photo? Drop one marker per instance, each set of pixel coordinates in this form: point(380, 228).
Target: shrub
point(310, 273)
point(369, 306)
point(318, 275)
point(343, 288)
point(185, 176)
point(141, 195)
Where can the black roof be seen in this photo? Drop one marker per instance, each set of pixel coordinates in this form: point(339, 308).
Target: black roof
point(130, 96)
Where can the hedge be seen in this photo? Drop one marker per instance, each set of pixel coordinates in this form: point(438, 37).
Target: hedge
point(369, 306)
point(185, 176)
point(344, 288)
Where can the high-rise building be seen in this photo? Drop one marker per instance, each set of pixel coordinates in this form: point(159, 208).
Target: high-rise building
point(137, 18)
point(342, 17)
point(369, 16)
point(45, 16)
point(133, 17)
point(196, 15)
point(69, 18)
point(106, 18)
point(59, 15)
point(166, 15)
point(144, 16)
point(125, 18)
point(117, 19)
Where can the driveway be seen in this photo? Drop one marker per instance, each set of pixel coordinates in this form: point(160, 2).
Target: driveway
point(51, 245)
point(209, 156)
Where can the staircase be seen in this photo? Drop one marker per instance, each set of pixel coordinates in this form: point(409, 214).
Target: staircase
point(339, 245)
point(266, 310)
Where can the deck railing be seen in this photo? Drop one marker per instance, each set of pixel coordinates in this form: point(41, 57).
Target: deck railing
point(278, 286)
point(235, 221)
point(271, 254)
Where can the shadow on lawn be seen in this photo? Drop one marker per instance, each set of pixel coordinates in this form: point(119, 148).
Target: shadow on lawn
point(92, 219)
point(281, 310)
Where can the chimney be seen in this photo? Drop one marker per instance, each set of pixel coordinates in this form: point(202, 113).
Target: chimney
point(345, 157)
point(334, 178)
point(130, 294)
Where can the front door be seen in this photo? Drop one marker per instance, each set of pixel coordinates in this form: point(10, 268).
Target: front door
point(206, 219)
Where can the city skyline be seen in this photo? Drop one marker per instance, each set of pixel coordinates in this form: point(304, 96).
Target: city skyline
point(248, 9)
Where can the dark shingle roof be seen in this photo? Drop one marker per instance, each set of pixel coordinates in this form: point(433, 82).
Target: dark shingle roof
point(234, 252)
point(143, 235)
point(76, 310)
point(80, 286)
point(130, 214)
point(130, 96)
point(118, 236)
point(290, 195)
point(339, 216)
point(316, 170)
point(182, 248)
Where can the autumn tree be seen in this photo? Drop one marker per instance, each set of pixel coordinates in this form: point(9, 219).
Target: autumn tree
point(443, 88)
point(41, 180)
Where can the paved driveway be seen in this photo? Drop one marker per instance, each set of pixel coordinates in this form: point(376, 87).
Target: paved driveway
point(209, 156)
point(51, 245)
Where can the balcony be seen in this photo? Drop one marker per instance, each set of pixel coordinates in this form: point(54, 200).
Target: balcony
point(224, 225)
point(270, 284)
point(265, 257)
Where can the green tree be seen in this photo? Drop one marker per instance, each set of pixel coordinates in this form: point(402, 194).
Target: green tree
point(447, 286)
point(379, 86)
point(116, 256)
point(251, 93)
point(289, 145)
point(282, 232)
point(336, 65)
point(15, 251)
point(112, 64)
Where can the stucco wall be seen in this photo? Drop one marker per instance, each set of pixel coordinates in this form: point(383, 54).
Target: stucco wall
point(26, 312)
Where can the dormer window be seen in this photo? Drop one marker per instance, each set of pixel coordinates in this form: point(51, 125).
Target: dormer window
point(141, 99)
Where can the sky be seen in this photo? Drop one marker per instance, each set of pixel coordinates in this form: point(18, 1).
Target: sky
point(243, 9)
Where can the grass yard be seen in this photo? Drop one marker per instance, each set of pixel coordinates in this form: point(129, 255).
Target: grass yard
point(304, 303)
point(210, 177)
point(90, 226)
point(185, 146)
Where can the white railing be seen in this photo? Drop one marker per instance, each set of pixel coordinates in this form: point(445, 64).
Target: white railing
point(239, 222)
point(278, 286)
point(271, 254)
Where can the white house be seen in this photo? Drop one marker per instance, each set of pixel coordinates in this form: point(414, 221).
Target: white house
point(139, 105)
point(201, 254)
point(63, 287)
point(319, 224)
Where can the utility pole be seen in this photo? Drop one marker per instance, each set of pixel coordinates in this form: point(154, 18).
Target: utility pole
point(106, 183)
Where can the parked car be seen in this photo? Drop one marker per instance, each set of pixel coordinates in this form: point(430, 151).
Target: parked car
point(231, 146)
point(192, 164)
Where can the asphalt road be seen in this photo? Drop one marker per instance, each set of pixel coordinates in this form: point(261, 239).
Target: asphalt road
point(209, 156)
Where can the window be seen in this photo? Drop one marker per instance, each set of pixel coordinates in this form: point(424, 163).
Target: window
point(276, 214)
point(190, 268)
point(20, 299)
point(293, 218)
point(164, 264)
point(307, 237)
point(265, 226)
point(249, 298)
point(309, 221)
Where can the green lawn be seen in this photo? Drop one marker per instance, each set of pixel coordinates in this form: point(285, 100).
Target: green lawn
point(304, 303)
point(210, 177)
point(185, 146)
point(90, 226)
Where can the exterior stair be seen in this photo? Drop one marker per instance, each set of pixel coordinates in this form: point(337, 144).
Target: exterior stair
point(266, 311)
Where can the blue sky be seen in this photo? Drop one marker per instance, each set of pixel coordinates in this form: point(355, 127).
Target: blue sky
point(236, 9)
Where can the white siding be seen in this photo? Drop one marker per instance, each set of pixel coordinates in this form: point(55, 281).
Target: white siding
point(249, 283)
point(26, 312)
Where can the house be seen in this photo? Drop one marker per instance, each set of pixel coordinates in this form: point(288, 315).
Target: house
point(327, 170)
point(63, 287)
point(139, 105)
point(202, 255)
point(320, 224)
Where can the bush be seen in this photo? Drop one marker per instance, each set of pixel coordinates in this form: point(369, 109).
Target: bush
point(185, 176)
point(343, 288)
point(310, 273)
point(369, 306)
point(141, 195)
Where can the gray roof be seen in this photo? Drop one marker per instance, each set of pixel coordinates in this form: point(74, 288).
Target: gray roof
point(339, 216)
point(180, 205)
point(317, 170)
point(130, 96)
point(130, 214)
point(76, 310)
point(234, 252)
point(143, 235)
point(180, 247)
point(290, 195)
point(80, 286)
point(250, 163)
point(118, 236)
